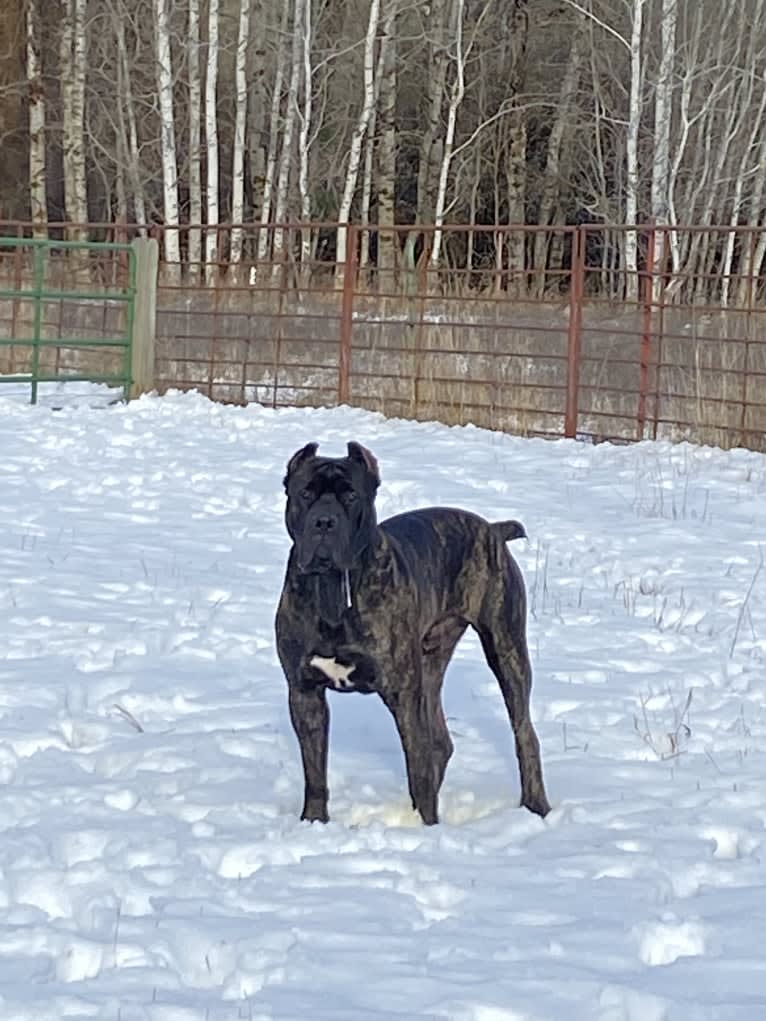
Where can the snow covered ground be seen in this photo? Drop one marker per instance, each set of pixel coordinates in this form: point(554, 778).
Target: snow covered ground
point(152, 865)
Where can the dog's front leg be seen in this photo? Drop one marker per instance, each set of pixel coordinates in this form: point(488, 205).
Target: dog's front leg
point(410, 711)
point(310, 717)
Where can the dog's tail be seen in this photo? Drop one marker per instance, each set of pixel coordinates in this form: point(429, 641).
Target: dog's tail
point(507, 531)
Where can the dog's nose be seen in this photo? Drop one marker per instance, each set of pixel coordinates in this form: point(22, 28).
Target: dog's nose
point(325, 523)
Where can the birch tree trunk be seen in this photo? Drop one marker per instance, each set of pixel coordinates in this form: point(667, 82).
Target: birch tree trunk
point(456, 98)
point(195, 136)
point(357, 139)
point(73, 75)
point(634, 127)
point(38, 190)
point(211, 140)
point(663, 114)
point(240, 127)
point(387, 242)
point(274, 129)
point(370, 147)
point(304, 140)
point(430, 154)
point(283, 178)
point(167, 137)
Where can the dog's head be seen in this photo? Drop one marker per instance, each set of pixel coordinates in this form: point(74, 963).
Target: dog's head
point(330, 513)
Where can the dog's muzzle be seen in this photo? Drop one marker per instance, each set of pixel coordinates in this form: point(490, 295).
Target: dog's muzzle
point(323, 543)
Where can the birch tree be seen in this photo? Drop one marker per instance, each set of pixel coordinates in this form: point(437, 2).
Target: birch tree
point(386, 177)
point(240, 125)
point(357, 138)
point(631, 148)
point(457, 93)
point(663, 113)
point(38, 164)
point(211, 141)
point(73, 75)
point(274, 131)
point(304, 136)
point(195, 138)
point(288, 129)
point(169, 154)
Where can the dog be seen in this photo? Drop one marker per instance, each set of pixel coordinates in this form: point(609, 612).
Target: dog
point(379, 608)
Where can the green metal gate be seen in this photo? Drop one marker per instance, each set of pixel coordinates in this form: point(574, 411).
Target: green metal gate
point(50, 333)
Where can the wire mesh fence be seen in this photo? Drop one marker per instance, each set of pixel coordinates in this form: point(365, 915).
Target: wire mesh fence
point(601, 332)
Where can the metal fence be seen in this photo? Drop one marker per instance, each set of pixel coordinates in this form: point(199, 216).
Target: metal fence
point(61, 321)
point(541, 331)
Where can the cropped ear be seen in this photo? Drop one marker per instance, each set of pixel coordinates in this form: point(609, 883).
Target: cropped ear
point(359, 453)
point(298, 458)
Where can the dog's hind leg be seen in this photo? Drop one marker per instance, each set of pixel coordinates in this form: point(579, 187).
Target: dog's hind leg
point(501, 626)
point(438, 647)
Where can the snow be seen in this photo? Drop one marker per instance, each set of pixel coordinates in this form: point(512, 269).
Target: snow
point(152, 863)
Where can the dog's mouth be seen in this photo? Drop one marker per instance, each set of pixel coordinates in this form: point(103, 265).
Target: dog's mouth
point(318, 565)
point(317, 561)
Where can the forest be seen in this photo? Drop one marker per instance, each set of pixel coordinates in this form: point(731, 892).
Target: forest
point(389, 112)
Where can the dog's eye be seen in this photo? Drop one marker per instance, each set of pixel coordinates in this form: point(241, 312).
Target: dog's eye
point(306, 494)
point(350, 496)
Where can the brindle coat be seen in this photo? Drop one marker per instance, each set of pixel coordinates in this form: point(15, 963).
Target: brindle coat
point(380, 608)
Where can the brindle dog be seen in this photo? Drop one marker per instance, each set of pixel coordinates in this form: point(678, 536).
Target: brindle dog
point(371, 607)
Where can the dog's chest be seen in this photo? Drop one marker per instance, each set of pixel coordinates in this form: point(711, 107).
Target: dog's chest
point(339, 657)
point(343, 671)
point(339, 676)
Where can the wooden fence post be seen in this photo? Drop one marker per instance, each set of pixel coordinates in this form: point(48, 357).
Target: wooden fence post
point(146, 253)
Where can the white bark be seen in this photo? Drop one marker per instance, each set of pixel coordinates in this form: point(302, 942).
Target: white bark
point(369, 151)
point(168, 134)
point(288, 129)
point(73, 75)
point(357, 139)
point(663, 115)
point(435, 79)
point(240, 126)
point(303, 135)
point(38, 191)
point(274, 128)
point(456, 98)
point(634, 127)
point(195, 135)
point(211, 140)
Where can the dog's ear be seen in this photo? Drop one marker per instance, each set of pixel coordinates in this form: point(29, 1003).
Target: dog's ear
point(359, 453)
point(298, 458)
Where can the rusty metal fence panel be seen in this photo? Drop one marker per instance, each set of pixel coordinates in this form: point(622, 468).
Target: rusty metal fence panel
point(265, 329)
point(594, 331)
point(677, 348)
point(459, 339)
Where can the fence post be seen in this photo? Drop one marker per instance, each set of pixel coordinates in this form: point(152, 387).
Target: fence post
point(347, 316)
point(646, 335)
point(146, 254)
point(574, 336)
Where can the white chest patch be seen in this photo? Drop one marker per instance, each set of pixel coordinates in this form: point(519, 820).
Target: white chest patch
point(338, 673)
